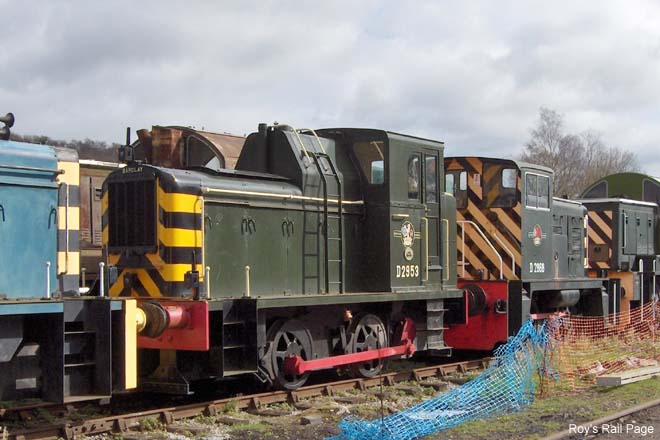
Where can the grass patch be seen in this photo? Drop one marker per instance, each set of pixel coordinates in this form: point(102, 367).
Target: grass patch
point(230, 407)
point(151, 424)
point(204, 420)
point(45, 415)
point(549, 415)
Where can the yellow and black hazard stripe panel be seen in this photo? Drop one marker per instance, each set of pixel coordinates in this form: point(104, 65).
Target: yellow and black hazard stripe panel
point(68, 225)
point(160, 271)
point(600, 239)
point(501, 225)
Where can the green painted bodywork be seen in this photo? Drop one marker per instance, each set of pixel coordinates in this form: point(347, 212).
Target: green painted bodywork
point(625, 185)
point(556, 261)
point(537, 256)
point(633, 186)
point(568, 238)
point(281, 238)
point(634, 228)
point(268, 215)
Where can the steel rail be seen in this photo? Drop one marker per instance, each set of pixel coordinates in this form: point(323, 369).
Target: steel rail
point(168, 415)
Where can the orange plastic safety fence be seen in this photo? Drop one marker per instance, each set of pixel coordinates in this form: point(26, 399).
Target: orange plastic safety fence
point(582, 348)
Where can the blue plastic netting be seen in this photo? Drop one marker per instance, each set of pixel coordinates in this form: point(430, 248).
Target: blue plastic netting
point(506, 386)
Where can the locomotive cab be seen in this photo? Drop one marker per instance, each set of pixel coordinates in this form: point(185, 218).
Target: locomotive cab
point(520, 251)
point(622, 247)
point(406, 223)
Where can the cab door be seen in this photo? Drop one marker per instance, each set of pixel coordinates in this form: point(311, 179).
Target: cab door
point(407, 212)
point(432, 270)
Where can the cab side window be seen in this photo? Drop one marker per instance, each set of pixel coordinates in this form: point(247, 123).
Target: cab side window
point(371, 158)
point(544, 192)
point(537, 192)
point(449, 183)
point(456, 184)
point(430, 180)
point(500, 186)
point(413, 177)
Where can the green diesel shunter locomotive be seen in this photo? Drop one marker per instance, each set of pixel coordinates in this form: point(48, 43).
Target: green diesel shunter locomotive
point(323, 249)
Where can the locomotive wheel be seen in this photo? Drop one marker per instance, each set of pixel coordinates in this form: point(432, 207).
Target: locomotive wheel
point(288, 338)
point(367, 332)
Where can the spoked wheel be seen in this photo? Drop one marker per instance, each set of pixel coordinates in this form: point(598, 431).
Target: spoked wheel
point(288, 338)
point(367, 332)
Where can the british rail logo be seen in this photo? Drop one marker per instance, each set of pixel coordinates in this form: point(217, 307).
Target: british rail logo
point(537, 235)
point(407, 235)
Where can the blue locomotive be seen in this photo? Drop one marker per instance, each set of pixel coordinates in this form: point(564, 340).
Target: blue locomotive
point(55, 345)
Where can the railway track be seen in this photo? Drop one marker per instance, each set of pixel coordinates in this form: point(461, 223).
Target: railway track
point(122, 423)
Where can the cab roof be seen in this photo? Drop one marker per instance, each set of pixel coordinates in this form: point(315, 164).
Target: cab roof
point(517, 163)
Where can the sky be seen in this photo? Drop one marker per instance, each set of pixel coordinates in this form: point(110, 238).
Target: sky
point(470, 73)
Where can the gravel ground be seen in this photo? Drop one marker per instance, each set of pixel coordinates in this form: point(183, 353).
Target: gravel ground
point(318, 418)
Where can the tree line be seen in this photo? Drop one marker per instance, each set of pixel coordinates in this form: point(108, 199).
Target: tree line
point(578, 159)
point(87, 148)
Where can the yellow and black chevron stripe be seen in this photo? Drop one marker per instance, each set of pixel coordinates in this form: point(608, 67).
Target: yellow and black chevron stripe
point(179, 233)
point(600, 235)
point(68, 219)
point(500, 225)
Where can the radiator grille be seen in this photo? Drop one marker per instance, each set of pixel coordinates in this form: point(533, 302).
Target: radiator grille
point(132, 213)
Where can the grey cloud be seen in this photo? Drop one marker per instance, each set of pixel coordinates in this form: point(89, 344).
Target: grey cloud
point(470, 73)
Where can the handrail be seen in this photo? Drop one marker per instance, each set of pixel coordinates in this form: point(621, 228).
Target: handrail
point(322, 169)
point(207, 280)
point(318, 139)
point(302, 145)
point(426, 246)
point(508, 251)
point(24, 168)
point(66, 227)
point(655, 297)
point(624, 216)
point(446, 264)
point(47, 279)
point(476, 227)
point(641, 287)
point(208, 190)
point(586, 241)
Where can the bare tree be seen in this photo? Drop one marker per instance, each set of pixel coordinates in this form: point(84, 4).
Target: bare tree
point(577, 159)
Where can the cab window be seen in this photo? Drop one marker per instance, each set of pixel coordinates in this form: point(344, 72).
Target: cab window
point(500, 186)
point(430, 180)
point(413, 177)
point(537, 192)
point(372, 160)
point(509, 177)
point(456, 184)
point(651, 191)
point(597, 191)
point(449, 183)
point(544, 192)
